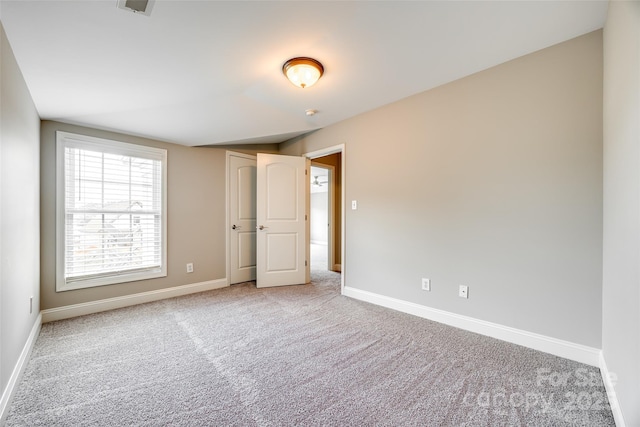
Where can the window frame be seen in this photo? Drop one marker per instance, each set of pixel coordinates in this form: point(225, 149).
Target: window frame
point(66, 139)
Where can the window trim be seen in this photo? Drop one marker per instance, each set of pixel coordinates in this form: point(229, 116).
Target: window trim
point(66, 139)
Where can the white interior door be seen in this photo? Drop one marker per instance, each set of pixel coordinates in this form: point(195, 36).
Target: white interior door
point(242, 218)
point(282, 241)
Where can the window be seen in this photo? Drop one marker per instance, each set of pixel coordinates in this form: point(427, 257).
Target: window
point(111, 212)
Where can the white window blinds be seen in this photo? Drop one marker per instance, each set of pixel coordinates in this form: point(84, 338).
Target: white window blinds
point(112, 223)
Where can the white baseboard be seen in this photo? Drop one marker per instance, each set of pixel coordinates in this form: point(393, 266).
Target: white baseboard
point(18, 370)
point(91, 307)
point(608, 379)
point(566, 349)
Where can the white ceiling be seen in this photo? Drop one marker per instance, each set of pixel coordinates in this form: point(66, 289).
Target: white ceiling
point(209, 72)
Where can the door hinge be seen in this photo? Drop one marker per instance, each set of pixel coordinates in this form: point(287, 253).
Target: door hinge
point(305, 263)
point(305, 217)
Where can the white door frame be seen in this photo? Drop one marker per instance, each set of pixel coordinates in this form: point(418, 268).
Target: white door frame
point(227, 234)
point(340, 148)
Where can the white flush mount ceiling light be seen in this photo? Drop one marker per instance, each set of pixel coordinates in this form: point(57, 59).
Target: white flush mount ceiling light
point(303, 72)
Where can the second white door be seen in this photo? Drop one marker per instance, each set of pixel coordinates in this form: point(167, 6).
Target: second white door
point(242, 218)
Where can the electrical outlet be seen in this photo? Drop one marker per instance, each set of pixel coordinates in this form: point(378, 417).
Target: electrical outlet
point(463, 291)
point(426, 284)
point(190, 267)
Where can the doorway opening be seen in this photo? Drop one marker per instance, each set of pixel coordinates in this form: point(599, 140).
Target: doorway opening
point(321, 216)
point(330, 219)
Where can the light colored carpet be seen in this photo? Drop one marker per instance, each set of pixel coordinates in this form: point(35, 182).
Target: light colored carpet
point(319, 257)
point(292, 356)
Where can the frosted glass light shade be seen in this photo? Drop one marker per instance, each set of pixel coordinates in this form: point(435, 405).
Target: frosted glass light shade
point(303, 72)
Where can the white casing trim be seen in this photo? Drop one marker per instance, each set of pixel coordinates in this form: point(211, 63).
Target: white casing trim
point(91, 307)
point(18, 370)
point(579, 353)
point(607, 378)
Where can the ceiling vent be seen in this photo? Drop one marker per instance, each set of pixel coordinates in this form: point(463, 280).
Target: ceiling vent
point(141, 7)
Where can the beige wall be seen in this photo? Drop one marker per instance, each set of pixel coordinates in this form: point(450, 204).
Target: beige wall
point(621, 278)
point(19, 213)
point(493, 181)
point(196, 218)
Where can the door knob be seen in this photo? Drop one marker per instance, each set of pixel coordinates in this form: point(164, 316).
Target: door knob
point(262, 227)
point(235, 227)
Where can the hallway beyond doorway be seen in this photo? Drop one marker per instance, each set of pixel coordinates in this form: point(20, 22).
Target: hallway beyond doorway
point(319, 256)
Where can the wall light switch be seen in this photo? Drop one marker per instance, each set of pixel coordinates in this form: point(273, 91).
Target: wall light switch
point(354, 205)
